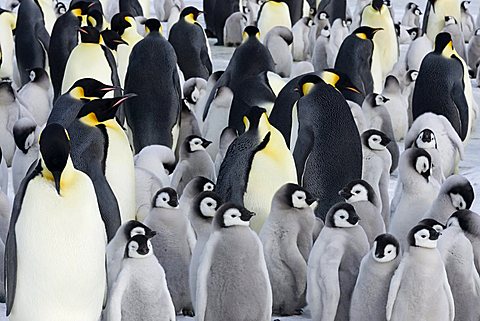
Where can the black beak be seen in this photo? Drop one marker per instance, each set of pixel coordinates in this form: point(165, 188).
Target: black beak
point(121, 99)
point(56, 177)
point(151, 234)
point(310, 201)
point(246, 215)
point(173, 202)
point(345, 194)
point(434, 235)
point(206, 143)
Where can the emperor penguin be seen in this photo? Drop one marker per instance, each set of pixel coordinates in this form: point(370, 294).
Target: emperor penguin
point(411, 17)
point(334, 262)
point(101, 63)
point(326, 131)
point(8, 21)
point(26, 134)
point(455, 194)
point(192, 189)
point(36, 96)
point(173, 246)
point(191, 46)
point(232, 32)
point(457, 254)
point(354, 58)
point(124, 24)
point(473, 51)
point(300, 43)
point(454, 28)
point(201, 213)
point(439, 87)
point(427, 140)
point(226, 139)
point(467, 22)
point(469, 222)
point(272, 14)
point(320, 50)
point(417, 50)
point(188, 126)
point(222, 273)
point(140, 291)
point(278, 41)
point(369, 298)
point(55, 208)
point(194, 161)
point(286, 253)
point(421, 274)
point(64, 39)
point(377, 162)
point(221, 11)
point(194, 91)
point(256, 165)
point(154, 115)
point(335, 9)
point(397, 107)
point(385, 48)
point(366, 203)
point(116, 248)
point(435, 13)
point(32, 39)
point(419, 190)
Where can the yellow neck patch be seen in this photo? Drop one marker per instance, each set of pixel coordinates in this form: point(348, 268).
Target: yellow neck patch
point(130, 20)
point(448, 51)
point(92, 21)
point(77, 12)
point(361, 36)
point(190, 18)
point(306, 87)
point(330, 78)
point(77, 93)
point(90, 120)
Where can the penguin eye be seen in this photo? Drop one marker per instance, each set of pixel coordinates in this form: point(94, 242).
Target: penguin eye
point(209, 204)
point(357, 192)
point(342, 217)
point(423, 236)
point(164, 199)
point(390, 251)
point(234, 216)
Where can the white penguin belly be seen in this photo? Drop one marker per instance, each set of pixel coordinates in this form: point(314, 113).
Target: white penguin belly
point(60, 254)
point(436, 19)
point(273, 15)
point(120, 171)
point(7, 45)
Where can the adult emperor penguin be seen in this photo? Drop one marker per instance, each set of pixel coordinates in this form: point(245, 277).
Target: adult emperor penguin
point(173, 246)
point(435, 13)
point(385, 48)
point(336, 9)
point(366, 203)
point(369, 298)
point(56, 209)
point(333, 264)
point(256, 165)
point(272, 14)
point(455, 194)
point(224, 285)
point(140, 291)
point(191, 46)
point(326, 131)
point(64, 39)
point(221, 11)
point(354, 58)
point(8, 21)
point(287, 253)
point(154, 115)
point(457, 254)
point(421, 274)
point(440, 84)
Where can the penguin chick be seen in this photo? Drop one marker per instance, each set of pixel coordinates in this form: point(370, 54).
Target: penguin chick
point(421, 274)
point(287, 240)
point(452, 26)
point(467, 21)
point(417, 50)
point(194, 161)
point(426, 139)
point(116, 248)
point(320, 51)
point(26, 134)
point(200, 214)
point(366, 204)
point(334, 262)
point(192, 189)
point(173, 246)
point(300, 44)
point(436, 225)
point(233, 268)
point(194, 90)
point(473, 52)
point(278, 41)
point(469, 221)
point(140, 291)
point(411, 18)
point(338, 31)
point(232, 32)
point(369, 297)
point(396, 107)
point(188, 125)
point(455, 194)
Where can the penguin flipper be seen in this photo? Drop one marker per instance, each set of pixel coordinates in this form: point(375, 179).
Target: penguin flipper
point(426, 16)
point(113, 67)
point(303, 147)
point(205, 57)
point(292, 257)
point(395, 286)
point(224, 80)
point(458, 96)
point(114, 306)
point(454, 138)
point(178, 174)
point(329, 281)
point(43, 37)
point(448, 292)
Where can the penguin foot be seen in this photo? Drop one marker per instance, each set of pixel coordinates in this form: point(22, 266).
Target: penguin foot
point(188, 313)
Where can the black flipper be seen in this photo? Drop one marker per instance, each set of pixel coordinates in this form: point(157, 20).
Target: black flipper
point(303, 147)
point(458, 97)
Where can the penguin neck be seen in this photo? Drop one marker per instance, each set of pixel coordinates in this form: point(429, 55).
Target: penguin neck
point(66, 179)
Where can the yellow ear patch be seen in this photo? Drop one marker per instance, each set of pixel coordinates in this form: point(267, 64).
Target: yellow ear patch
point(190, 18)
point(130, 20)
point(77, 12)
point(92, 21)
point(361, 36)
point(77, 93)
point(246, 122)
point(306, 87)
point(330, 78)
point(90, 120)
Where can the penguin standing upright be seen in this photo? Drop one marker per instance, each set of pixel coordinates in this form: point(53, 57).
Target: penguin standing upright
point(8, 21)
point(191, 46)
point(336, 9)
point(385, 49)
point(411, 18)
point(272, 14)
point(328, 142)
point(435, 13)
point(278, 41)
point(56, 222)
point(221, 11)
point(153, 115)
point(468, 22)
point(31, 40)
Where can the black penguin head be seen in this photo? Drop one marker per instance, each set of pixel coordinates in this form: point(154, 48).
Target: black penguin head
point(460, 191)
point(366, 32)
point(153, 26)
point(306, 83)
point(392, 83)
point(436, 225)
point(24, 133)
point(357, 191)
point(254, 117)
point(122, 21)
point(231, 215)
point(414, 33)
point(132, 228)
point(38, 75)
point(467, 220)
point(95, 16)
point(197, 185)
point(206, 204)
point(250, 32)
point(165, 198)
point(423, 236)
point(375, 139)
point(422, 162)
point(426, 139)
point(80, 8)
point(443, 41)
point(322, 15)
point(55, 151)
point(194, 143)
point(385, 248)
point(89, 34)
point(339, 80)
point(450, 20)
point(88, 88)
point(138, 247)
point(342, 215)
point(190, 14)
point(7, 94)
point(412, 75)
point(293, 195)
point(375, 100)
point(465, 5)
point(112, 39)
point(100, 110)
point(377, 4)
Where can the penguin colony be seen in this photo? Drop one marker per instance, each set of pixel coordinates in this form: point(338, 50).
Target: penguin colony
point(138, 183)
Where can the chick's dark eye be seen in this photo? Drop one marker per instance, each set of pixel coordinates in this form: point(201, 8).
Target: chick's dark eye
point(389, 252)
point(342, 217)
point(209, 204)
point(164, 199)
